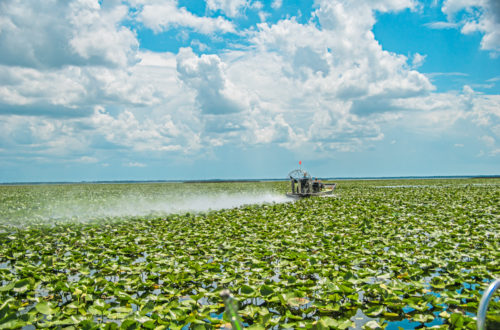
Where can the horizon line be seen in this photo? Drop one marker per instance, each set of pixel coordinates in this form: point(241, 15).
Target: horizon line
point(215, 180)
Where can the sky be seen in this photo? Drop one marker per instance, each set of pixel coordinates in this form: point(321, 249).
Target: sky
point(183, 89)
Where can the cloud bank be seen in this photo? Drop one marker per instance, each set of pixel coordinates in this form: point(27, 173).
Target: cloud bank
point(76, 85)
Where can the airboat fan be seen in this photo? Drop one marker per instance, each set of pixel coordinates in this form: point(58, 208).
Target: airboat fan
point(304, 186)
point(299, 174)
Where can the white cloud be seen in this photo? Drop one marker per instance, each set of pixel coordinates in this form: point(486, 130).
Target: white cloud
point(418, 60)
point(452, 7)
point(477, 16)
point(259, 95)
point(486, 110)
point(348, 62)
point(73, 91)
point(54, 34)
point(442, 25)
point(99, 34)
point(41, 138)
point(127, 131)
point(495, 152)
point(205, 74)
point(336, 14)
point(276, 4)
point(86, 159)
point(326, 85)
point(312, 86)
point(164, 15)
point(257, 5)
point(491, 144)
point(439, 113)
point(263, 16)
point(496, 130)
point(201, 46)
point(449, 74)
point(232, 8)
point(135, 164)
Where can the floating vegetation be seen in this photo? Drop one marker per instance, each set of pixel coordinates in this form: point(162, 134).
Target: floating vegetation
point(405, 256)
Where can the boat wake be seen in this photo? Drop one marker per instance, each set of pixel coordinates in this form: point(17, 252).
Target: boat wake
point(131, 206)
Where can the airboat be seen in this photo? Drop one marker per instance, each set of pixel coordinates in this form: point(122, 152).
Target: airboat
point(303, 185)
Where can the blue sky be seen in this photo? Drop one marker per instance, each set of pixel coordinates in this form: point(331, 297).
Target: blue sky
point(183, 89)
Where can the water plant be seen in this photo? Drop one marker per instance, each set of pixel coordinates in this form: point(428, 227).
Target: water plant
point(377, 254)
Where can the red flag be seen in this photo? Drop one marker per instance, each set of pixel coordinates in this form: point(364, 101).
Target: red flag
point(300, 162)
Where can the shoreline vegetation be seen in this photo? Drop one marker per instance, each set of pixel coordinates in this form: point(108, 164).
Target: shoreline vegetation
point(378, 254)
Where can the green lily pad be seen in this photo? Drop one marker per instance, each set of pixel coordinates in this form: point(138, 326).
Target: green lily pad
point(266, 290)
point(44, 308)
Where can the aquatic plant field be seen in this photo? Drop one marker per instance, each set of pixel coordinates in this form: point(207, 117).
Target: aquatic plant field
point(378, 254)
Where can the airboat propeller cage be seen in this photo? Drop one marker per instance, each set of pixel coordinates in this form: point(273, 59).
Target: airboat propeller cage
point(299, 174)
point(304, 186)
point(302, 179)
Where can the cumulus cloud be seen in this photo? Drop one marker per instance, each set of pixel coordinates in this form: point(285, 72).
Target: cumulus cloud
point(63, 112)
point(277, 91)
point(164, 15)
point(40, 138)
point(477, 16)
point(342, 58)
point(30, 91)
point(332, 130)
point(334, 15)
point(73, 91)
point(55, 34)
point(232, 8)
point(450, 113)
point(131, 133)
point(86, 91)
point(98, 137)
point(59, 59)
point(314, 85)
point(205, 74)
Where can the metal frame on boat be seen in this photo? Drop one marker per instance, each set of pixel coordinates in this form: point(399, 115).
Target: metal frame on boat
point(303, 185)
